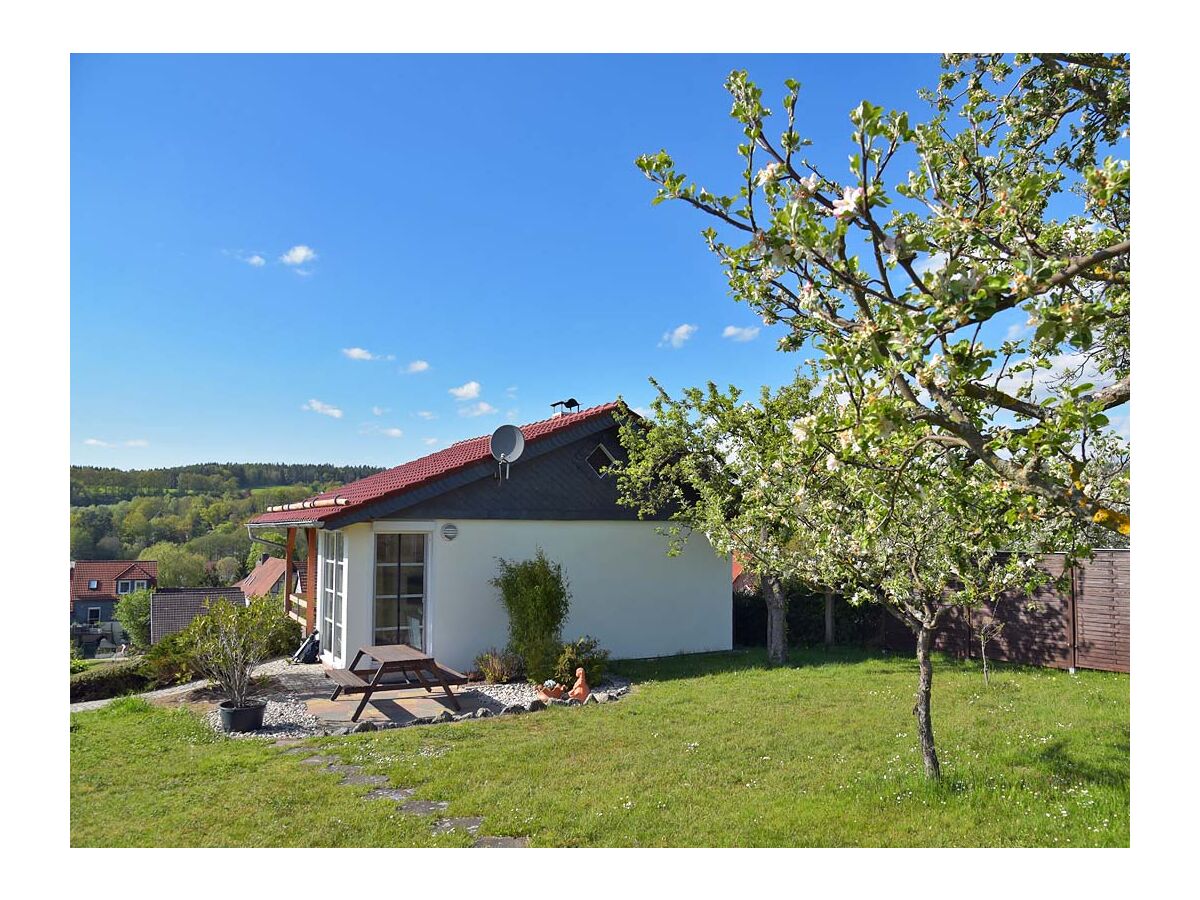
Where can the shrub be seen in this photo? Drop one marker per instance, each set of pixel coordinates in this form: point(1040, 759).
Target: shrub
point(230, 640)
point(133, 612)
point(286, 635)
point(537, 597)
point(170, 661)
point(77, 663)
point(585, 652)
point(111, 680)
point(499, 666)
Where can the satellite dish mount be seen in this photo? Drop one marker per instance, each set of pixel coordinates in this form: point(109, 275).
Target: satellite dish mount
point(507, 444)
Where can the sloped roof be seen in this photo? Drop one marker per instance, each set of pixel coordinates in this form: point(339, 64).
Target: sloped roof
point(422, 471)
point(262, 580)
point(172, 609)
point(107, 572)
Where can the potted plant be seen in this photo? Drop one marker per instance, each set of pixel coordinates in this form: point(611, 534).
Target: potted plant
point(227, 644)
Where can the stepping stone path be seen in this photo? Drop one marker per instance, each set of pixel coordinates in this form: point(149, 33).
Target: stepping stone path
point(403, 798)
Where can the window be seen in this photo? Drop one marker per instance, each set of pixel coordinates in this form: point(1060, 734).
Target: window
point(124, 587)
point(599, 459)
point(333, 590)
point(93, 615)
point(400, 589)
point(139, 585)
point(93, 585)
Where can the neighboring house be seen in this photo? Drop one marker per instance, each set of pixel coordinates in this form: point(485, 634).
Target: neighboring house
point(97, 586)
point(406, 555)
point(172, 609)
point(744, 581)
point(267, 578)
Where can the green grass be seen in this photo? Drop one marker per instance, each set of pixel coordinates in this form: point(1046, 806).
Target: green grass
point(713, 750)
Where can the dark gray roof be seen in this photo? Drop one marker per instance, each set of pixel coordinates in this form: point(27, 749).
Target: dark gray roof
point(172, 609)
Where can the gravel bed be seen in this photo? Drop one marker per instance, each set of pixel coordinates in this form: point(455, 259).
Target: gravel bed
point(289, 719)
point(523, 693)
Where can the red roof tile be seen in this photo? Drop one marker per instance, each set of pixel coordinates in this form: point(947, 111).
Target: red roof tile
point(424, 470)
point(107, 572)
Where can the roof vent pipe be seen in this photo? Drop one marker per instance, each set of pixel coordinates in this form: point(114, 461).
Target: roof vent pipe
point(568, 405)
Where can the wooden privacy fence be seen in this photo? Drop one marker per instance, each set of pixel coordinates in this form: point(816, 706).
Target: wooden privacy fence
point(1085, 626)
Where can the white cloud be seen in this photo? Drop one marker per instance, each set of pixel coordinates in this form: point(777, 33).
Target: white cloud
point(429, 442)
point(426, 415)
point(679, 336)
point(324, 409)
point(477, 409)
point(378, 410)
point(393, 432)
point(362, 353)
point(511, 392)
point(931, 263)
point(417, 365)
point(468, 391)
point(741, 335)
point(642, 411)
point(298, 255)
point(133, 442)
point(255, 260)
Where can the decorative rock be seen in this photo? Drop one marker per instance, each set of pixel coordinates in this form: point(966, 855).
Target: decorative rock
point(591, 698)
point(364, 726)
point(482, 713)
point(444, 716)
point(491, 841)
point(600, 697)
point(461, 717)
point(537, 704)
point(422, 720)
point(557, 701)
point(396, 794)
point(513, 709)
point(469, 824)
point(423, 807)
point(573, 702)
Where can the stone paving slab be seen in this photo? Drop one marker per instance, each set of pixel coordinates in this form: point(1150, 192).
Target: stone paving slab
point(490, 841)
point(396, 794)
point(362, 778)
point(424, 807)
point(319, 761)
point(469, 824)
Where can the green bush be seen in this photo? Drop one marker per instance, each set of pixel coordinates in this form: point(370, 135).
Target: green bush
point(133, 612)
point(228, 641)
point(585, 652)
point(112, 680)
point(170, 661)
point(537, 597)
point(499, 666)
point(286, 634)
point(77, 663)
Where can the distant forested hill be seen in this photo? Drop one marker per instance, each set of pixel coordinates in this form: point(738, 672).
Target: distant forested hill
point(190, 518)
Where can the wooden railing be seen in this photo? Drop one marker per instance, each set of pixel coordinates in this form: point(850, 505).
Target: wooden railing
point(298, 607)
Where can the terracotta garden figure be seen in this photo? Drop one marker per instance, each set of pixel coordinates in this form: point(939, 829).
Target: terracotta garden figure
point(550, 690)
point(581, 690)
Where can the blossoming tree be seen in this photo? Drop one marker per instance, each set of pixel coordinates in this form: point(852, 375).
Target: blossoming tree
point(967, 285)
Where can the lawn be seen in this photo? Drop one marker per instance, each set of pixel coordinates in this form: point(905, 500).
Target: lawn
point(709, 750)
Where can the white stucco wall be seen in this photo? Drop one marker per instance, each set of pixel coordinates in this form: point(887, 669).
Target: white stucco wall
point(625, 590)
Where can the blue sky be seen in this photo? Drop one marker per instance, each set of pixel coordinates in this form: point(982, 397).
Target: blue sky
point(480, 214)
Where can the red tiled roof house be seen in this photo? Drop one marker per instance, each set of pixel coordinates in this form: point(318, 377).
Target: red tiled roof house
point(405, 556)
point(97, 586)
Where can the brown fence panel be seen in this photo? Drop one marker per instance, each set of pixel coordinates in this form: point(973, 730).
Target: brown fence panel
point(1102, 612)
point(1085, 625)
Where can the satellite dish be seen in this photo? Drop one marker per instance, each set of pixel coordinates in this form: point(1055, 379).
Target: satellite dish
point(507, 443)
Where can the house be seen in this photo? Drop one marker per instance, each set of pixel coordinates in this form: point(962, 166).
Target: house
point(406, 555)
point(267, 578)
point(172, 609)
point(97, 586)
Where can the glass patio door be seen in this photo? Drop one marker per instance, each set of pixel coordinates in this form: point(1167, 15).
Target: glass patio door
point(333, 593)
point(400, 589)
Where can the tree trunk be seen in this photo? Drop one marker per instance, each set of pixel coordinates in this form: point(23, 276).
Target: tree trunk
point(828, 619)
point(776, 620)
point(983, 656)
point(921, 710)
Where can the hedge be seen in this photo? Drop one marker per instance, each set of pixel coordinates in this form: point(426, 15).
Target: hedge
point(113, 680)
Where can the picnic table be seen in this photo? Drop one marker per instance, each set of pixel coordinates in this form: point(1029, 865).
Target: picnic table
point(391, 659)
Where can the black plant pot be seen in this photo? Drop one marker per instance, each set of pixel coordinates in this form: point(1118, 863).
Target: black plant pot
point(242, 718)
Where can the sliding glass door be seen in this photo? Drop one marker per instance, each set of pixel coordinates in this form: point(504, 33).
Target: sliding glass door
point(400, 589)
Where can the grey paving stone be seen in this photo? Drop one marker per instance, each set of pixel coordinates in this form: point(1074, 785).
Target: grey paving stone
point(423, 807)
point(490, 841)
point(360, 778)
point(469, 824)
point(319, 761)
point(396, 794)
